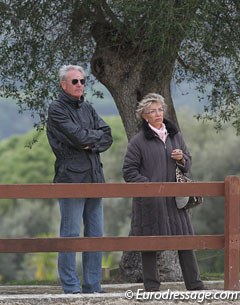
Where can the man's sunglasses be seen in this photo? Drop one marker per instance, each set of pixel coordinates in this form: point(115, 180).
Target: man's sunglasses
point(75, 81)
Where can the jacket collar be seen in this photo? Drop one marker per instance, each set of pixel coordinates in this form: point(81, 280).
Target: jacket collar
point(149, 133)
point(63, 96)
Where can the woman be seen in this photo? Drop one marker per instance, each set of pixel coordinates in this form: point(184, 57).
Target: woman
point(152, 156)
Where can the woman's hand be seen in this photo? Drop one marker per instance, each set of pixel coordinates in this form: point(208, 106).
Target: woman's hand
point(177, 154)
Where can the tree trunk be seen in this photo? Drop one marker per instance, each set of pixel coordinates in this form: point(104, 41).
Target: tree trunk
point(130, 80)
point(167, 265)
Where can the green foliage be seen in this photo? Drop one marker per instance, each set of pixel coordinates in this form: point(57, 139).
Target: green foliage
point(215, 70)
point(215, 156)
point(42, 264)
point(21, 218)
point(192, 39)
point(114, 156)
point(107, 261)
point(28, 165)
point(112, 162)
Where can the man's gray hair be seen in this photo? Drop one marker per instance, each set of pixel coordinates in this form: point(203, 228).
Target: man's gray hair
point(65, 68)
point(146, 102)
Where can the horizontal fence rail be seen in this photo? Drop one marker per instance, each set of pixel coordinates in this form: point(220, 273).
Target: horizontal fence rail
point(229, 189)
point(111, 190)
point(136, 243)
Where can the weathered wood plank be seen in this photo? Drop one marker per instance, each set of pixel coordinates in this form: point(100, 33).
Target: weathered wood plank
point(230, 241)
point(131, 243)
point(110, 190)
point(231, 257)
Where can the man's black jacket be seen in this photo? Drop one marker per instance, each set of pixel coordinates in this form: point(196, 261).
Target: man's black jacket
point(77, 135)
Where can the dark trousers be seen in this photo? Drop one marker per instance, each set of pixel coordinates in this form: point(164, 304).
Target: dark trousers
point(188, 263)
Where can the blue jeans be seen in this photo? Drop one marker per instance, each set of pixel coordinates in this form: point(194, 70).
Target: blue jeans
point(73, 210)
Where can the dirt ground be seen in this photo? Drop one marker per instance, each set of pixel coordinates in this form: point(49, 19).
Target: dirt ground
point(106, 301)
point(117, 294)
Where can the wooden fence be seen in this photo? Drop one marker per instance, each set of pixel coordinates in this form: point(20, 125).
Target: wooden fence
point(229, 189)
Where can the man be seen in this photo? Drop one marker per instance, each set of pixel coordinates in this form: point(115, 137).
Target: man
point(77, 135)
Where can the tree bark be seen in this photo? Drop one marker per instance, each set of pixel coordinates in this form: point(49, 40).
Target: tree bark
point(130, 80)
point(167, 265)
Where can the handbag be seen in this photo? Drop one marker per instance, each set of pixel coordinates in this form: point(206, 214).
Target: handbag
point(186, 202)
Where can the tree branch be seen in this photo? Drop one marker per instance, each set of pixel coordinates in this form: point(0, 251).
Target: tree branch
point(182, 62)
point(109, 12)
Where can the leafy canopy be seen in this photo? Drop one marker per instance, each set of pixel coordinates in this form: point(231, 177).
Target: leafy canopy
point(198, 38)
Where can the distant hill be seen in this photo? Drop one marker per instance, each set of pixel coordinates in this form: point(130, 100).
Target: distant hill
point(183, 95)
point(105, 105)
point(12, 122)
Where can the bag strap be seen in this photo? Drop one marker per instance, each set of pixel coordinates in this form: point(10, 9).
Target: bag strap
point(188, 175)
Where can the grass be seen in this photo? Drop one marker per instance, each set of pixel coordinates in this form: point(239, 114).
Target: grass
point(212, 276)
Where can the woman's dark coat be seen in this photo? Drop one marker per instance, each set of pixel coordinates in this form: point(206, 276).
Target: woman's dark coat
point(148, 159)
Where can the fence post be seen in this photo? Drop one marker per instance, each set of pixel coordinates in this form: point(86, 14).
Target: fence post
point(231, 252)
